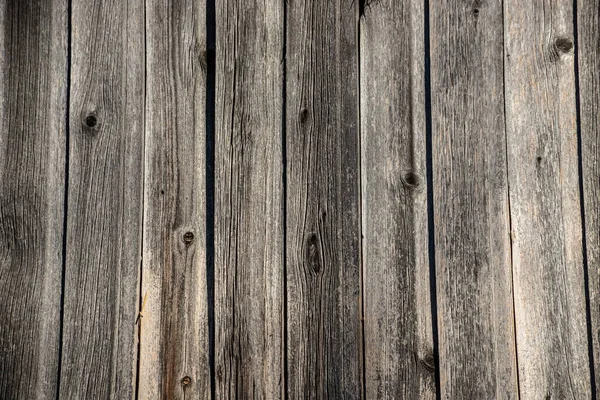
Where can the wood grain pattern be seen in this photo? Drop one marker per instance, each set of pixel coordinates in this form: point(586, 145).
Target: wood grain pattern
point(33, 76)
point(544, 197)
point(104, 200)
point(174, 331)
point(323, 201)
point(249, 267)
point(471, 209)
point(589, 88)
point(397, 309)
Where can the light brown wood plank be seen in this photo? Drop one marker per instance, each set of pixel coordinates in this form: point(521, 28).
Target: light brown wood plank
point(589, 88)
point(174, 332)
point(33, 87)
point(323, 201)
point(249, 269)
point(104, 200)
point(471, 208)
point(397, 308)
point(550, 311)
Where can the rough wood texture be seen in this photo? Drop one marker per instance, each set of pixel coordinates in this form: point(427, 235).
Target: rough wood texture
point(174, 333)
point(471, 209)
point(397, 309)
point(104, 200)
point(249, 200)
point(589, 89)
point(544, 198)
point(33, 75)
point(323, 205)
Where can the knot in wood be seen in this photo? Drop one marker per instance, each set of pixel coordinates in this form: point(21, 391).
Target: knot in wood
point(188, 237)
point(411, 180)
point(563, 45)
point(90, 121)
point(186, 380)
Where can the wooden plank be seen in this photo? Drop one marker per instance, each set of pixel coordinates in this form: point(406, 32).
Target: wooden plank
point(33, 76)
point(104, 200)
point(544, 196)
point(323, 203)
point(174, 334)
point(397, 308)
point(249, 200)
point(471, 208)
point(588, 33)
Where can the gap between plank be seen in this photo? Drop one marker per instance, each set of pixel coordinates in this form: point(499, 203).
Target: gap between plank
point(210, 183)
point(588, 313)
point(430, 216)
point(284, 218)
point(66, 197)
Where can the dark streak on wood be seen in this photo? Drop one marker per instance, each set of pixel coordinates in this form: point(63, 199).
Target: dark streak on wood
point(33, 76)
point(471, 209)
point(398, 327)
point(174, 333)
point(104, 200)
point(249, 200)
point(323, 225)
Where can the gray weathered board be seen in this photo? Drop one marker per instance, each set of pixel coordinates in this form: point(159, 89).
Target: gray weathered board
point(299, 199)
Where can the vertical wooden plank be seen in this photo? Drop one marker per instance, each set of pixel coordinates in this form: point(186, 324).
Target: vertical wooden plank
point(33, 82)
point(174, 333)
point(588, 31)
point(323, 206)
point(471, 208)
point(249, 199)
point(544, 197)
point(104, 200)
point(397, 309)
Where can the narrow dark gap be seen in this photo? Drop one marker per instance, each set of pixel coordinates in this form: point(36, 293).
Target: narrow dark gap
point(211, 33)
point(430, 211)
point(360, 13)
point(66, 196)
point(143, 192)
point(284, 182)
point(509, 206)
point(588, 309)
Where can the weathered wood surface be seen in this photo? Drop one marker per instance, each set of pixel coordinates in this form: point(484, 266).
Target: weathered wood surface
point(588, 33)
point(471, 208)
point(541, 128)
point(249, 265)
point(278, 199)
point(103, 237)
point(33, 75)
point(323, 206)
point(399, 359)
point(174, 347)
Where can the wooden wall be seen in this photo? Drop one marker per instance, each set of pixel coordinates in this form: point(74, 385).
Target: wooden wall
point(337, 199)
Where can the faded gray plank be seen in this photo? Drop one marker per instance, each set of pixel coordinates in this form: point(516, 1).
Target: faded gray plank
point(471, 209)
point(249, 200)
point(174, 330)
point(33, 76)
point(397, 308)
point(104, 200)
point(544, 197)
point(589, 89)
point(323, 206)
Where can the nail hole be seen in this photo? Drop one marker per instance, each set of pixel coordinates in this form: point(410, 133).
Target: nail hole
point(476, 11)
point(539, 159)
point(188, 237)
point(186, 380)
point(91, 121)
